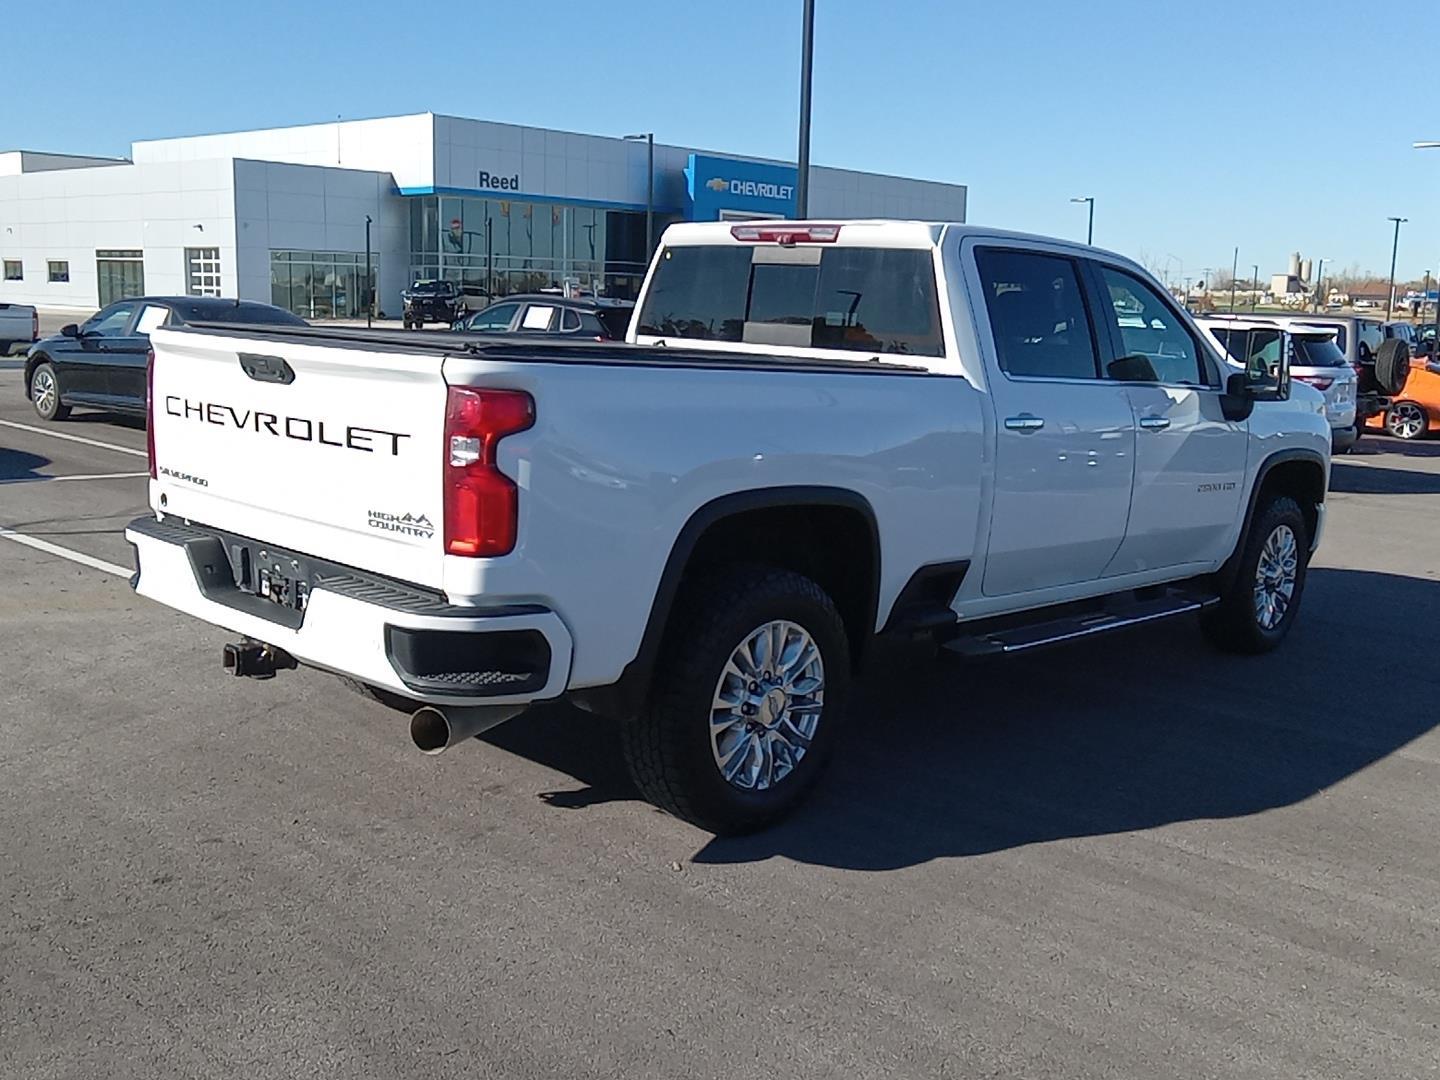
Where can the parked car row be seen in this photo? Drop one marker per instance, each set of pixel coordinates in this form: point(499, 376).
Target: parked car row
point(1386, 358)
point(101, 362)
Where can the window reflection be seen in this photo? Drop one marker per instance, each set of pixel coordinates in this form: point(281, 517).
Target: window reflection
point(319, 284)
point(497, 247)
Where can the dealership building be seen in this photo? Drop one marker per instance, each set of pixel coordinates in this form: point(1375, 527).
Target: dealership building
point(284, 214)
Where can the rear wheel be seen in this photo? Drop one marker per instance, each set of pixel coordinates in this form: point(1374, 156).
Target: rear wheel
point(746, 702)
point(1407, 420)
point(1258, 608)
point(45, 393)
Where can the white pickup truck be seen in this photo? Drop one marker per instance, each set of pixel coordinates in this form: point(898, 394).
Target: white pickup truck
point(817, 433)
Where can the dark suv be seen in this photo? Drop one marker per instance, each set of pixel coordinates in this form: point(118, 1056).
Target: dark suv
point(101, 362)
point(541, 313)
point(431, 301)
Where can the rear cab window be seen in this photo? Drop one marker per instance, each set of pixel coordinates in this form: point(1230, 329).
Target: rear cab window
point(873, 300)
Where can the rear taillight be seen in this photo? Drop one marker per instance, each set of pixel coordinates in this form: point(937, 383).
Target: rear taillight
point(1320, 382)
point(482, 506)
point(150, 412)
point(34, 326)
point(786, 234)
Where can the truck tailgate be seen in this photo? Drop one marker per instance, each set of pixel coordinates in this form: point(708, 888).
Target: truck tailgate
point(315, 448)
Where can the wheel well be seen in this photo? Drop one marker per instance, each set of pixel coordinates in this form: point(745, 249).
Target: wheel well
point(1303, 481)
point(31, 363)
point(834, 546)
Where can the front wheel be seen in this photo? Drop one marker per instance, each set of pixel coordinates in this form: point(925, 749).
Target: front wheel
point(747, 700)
point(45, 393)
point(1259, 606)
point(1406, 420)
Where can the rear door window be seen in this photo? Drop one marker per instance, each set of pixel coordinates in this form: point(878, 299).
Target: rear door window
point(1038, 317)
point(538, 317)
point(872, 300)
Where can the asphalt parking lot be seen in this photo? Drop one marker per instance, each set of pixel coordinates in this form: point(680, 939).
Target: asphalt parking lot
point(1132, 858)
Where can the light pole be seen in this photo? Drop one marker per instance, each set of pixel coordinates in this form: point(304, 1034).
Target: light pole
point(369, 278)
point(1234, 269)
point(1394, 251)
point(1090, 227)
point(1254, 285)
point(649, 138)
point(1319, 280)
point(802, 156)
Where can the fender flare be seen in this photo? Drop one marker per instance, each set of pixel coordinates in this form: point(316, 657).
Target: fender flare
point(625, 695)
point(1226, 574)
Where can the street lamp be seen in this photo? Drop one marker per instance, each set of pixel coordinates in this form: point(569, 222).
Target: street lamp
point(802, 156)
point(369, 278)
point(1090, 228)
point(649, 139)
point(1394, 251)
point(1234, 269)
point(1319, 280)
point(1255, 286)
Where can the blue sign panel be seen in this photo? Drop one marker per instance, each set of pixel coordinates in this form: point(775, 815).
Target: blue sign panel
point(714, 184)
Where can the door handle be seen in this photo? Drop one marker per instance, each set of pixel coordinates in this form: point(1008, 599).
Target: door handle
point(1024, 422)
point(1154, 423)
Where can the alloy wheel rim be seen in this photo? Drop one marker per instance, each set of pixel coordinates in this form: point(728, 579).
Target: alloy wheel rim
point(1276, 576)
point(1406, 421)
point(44, 388)
point(767, 705)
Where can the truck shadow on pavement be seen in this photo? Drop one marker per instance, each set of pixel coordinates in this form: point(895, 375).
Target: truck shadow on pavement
point(1377, 480)
point(950, 759)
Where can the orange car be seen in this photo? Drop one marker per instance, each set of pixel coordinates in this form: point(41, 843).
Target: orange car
point(1415, 412)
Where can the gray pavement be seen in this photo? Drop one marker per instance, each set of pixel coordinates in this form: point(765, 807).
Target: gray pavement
point(1134, 858)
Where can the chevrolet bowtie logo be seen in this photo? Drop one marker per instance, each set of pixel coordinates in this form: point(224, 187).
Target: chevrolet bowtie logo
point(716, 184)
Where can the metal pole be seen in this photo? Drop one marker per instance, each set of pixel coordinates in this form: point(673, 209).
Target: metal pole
point(802, 162)
point(1255, 286)
point(1090, 229)
point(1234, 269)
point(1425, 298)
point(1394, 251)
point(1319, 280)
point(369, 278)
point(650, 195)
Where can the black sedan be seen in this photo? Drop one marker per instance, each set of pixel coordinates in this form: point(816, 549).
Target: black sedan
point(101, 362)
point(584, 317)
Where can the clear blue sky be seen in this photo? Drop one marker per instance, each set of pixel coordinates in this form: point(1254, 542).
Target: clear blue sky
point(1272, 125)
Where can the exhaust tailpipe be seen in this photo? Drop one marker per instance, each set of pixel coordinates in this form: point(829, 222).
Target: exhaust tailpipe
point(436, 728)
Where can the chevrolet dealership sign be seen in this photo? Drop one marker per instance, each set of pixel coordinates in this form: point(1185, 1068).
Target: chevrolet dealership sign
point(715, 184)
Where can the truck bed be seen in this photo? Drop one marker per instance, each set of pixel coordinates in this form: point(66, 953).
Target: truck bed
point(542, 350)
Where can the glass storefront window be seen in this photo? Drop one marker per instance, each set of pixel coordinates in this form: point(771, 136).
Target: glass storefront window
point(320, 284)
point(496, 247)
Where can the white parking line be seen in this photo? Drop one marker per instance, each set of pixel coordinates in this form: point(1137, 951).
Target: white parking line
point(81, 476)
point(74, 438)
point(65, 553)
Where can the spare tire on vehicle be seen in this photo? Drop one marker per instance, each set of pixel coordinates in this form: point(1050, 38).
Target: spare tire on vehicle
point(1392, 366)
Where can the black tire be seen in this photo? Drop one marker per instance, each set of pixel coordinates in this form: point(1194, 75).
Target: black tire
point(1235, 624)
point(1392, 366)
point(668, 746)
point(55, 410)
point(383, 697)
point(1407, 420)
